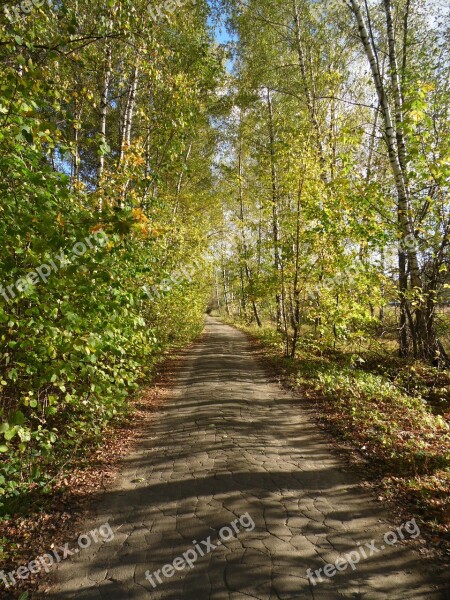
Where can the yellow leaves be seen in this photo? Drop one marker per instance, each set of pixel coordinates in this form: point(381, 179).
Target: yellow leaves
point(416, 115)
point(139, 215)
point(60, 220)
point(79, 186)
point(142, 229)
point(84, 92)
point(141, 222)
point(427, 87)
point(136, 160)
point(180, 79)
point(158, 232)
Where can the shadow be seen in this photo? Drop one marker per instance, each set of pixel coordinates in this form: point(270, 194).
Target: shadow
point(229, 443)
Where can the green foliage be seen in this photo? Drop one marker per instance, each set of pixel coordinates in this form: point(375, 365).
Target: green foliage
point(385, 416)
point(312, 179)
point(77, 342)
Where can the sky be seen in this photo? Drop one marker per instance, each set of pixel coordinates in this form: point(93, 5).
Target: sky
point(222, 36)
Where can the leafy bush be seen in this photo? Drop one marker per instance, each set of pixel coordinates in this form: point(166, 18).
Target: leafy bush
point(73, 347)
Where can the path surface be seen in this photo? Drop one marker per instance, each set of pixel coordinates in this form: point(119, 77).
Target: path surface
point(231, 442)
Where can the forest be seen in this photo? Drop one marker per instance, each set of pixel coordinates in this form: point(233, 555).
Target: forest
point(281, 164)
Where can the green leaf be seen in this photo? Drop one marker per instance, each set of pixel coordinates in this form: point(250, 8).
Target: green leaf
point(10, 433)
point(17, 418)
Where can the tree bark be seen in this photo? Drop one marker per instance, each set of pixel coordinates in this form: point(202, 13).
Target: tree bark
point(243, 237)
point(129, 112)
point(310, 100)
point(397, 151)
point(296, 320)
point(104, 110)
point(275, 228)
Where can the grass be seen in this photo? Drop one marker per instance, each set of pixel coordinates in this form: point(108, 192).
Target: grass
point(382, 409)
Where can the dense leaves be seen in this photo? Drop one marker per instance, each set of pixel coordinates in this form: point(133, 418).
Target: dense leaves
point(105, 154)
point(336, 173)
point(335, 181)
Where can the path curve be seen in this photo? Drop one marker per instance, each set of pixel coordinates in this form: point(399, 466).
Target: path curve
point(231, 444)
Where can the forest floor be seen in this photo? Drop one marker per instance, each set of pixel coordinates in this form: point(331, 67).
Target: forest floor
point(388, 414)
point(233, 483)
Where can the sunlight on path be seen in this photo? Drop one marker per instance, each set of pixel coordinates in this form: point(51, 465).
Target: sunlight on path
point(232, 443)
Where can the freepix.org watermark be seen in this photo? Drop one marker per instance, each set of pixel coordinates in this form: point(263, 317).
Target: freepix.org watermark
point(190, 557)
point(164, 9)
point(104, 533)
point(43, 272)
point(24, 8)
point(363, 552)
point(183, 274)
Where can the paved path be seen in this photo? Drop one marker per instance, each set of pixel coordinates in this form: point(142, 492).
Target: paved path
point(231, 442)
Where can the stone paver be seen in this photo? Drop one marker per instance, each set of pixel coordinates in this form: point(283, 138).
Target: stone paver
point(231, 442)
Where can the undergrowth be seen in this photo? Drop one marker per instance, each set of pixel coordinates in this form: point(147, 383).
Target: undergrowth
point(382, 413)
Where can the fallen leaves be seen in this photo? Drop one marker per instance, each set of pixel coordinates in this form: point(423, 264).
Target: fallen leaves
point(58, 516)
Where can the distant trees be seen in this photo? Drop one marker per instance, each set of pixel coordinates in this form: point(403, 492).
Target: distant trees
point(418, 287)
point(346, 164)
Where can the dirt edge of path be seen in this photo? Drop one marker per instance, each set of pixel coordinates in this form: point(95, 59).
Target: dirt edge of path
point(437, 548)
point(73, 497)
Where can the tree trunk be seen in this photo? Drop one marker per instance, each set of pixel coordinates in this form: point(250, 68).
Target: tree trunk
point(310, 100)
point(296, 321)
point(225, 289)
point(104, 111)
point(414, 327)
point(180, 181)
point(76, 150)
point(243, 237)
point(125, 137)
point(275, 229)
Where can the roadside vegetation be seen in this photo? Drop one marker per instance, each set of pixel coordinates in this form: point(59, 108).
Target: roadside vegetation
point(335, 181)
point(385, 413)
point(106, 148)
